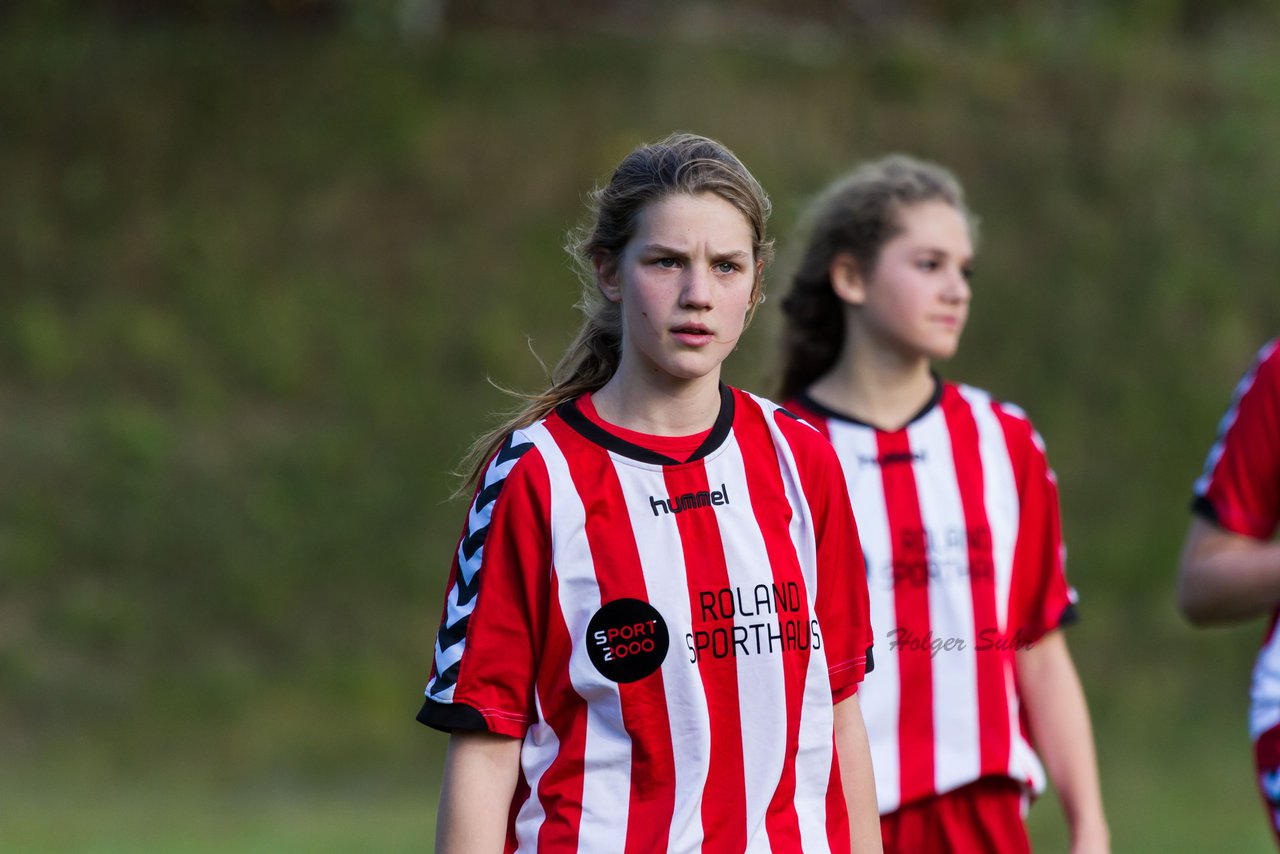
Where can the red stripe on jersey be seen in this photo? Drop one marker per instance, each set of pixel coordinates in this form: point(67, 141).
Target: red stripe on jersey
point(724, 814)
point(994, 735)
point(1039, 594)
point(911, 609)
point(839, 835)
point(619, 575)
point(773, 517)
point(560, 789)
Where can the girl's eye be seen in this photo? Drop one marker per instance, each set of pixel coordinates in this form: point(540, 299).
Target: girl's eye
point(726, 267)
point(668, 263)
point(928, 265)
point(967, 272)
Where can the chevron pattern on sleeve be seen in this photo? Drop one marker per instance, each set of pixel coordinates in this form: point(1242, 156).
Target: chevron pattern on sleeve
point(451, 641)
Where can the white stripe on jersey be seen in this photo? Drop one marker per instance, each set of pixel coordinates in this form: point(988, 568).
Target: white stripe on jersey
point(866, 492)
point(1000, 488)
point(1003, 512)
point(540, 747)
point(815, 740)
point(605, 802)
point(762, 699)
point(814, 737)
point(1264, 688)
point(659, 546)
point(956, 739)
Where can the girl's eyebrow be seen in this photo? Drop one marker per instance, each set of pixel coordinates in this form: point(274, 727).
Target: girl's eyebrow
point(662, 249)
point(936, 250)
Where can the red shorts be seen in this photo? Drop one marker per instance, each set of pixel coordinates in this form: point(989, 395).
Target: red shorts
point(1266, 760)
point(984, 817)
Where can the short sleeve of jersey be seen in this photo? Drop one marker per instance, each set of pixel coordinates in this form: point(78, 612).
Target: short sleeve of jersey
point(1240, 487)
point(487, 649)
point(841, 600)
point(1040, 599)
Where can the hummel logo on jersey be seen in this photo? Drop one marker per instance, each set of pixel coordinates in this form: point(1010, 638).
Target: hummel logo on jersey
point(891, 458)
point(689, 501)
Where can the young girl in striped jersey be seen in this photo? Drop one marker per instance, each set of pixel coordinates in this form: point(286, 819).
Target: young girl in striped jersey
point(957, 513)
point(656, 618)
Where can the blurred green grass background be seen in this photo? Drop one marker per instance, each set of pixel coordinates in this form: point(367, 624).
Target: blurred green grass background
point(255, 276)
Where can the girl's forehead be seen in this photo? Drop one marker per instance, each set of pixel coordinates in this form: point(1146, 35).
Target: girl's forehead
point(933, 221)
point(929, 211)
point(693, 216)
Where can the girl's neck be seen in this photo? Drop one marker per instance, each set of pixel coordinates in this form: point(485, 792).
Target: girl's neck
point(877, 388)
point(657, 407)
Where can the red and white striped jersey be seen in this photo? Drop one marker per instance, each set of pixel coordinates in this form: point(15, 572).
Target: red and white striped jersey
point(668, 638)
point(958, 518)
point(1239, 490)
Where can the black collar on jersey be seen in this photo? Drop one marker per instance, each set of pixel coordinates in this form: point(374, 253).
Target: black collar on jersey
point(827, 412)
point(573, 416)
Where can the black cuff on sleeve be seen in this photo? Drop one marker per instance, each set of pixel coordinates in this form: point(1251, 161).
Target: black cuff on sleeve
point(1201, 507)
point(871, 662)
point(448, 717)
point(1069, 617)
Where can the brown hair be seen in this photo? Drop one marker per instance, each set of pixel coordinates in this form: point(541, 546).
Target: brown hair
point(858, 215)
point(681, 163)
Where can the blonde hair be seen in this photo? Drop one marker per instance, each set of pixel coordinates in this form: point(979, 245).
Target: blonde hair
point(681, 163)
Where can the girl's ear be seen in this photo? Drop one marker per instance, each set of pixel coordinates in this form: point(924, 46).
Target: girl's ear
point(846, 279)
point(607, 277)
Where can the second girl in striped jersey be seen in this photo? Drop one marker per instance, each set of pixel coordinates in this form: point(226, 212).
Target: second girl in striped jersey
point(957, 512)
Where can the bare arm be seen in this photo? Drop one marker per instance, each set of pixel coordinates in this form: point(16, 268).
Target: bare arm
point(1223, 576)
point(856, 778)
point(480, 774)
point(1060, 728)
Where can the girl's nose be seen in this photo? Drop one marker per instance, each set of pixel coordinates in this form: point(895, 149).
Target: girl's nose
point(696, 290)
point(958, 286)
